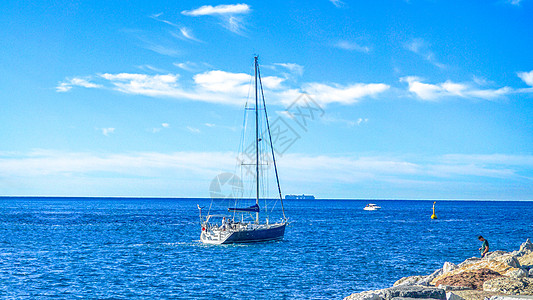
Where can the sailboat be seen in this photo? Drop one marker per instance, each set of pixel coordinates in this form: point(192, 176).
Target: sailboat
point(250, 224)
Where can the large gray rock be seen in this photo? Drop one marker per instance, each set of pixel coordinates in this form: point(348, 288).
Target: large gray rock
point(411, 280)
point(508, 259)
point(494, 254)
point(469, 261)
point(508, 285)
point(448, 267)
point(519, 273)
point(526, 247)
point(369, 295)
point(418, 280)
point(452, 296)
point(416, 291)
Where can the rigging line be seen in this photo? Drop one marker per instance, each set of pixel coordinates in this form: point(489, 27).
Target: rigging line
point(271, 146)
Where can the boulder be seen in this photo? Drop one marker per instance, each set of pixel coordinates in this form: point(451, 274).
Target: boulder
point(508, 285)
point(494, 254)
point(470, 279)
point(519, 273)
point(526, 260)
point(448, 267)
point(526, 247)
point(509, 259)
point(469, 261)
point(530, 274)
point(368, 295)
point(473, 265)
point(418, 280)
point(415, 291)
point(475, 294)
point(411, 280)
point(452, 296)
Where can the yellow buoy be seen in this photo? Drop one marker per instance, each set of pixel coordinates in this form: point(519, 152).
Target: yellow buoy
point(434, 216)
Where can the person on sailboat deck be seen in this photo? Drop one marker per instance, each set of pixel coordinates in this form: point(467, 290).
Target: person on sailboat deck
point(223, 223)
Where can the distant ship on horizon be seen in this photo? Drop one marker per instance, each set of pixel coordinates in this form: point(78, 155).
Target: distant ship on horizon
point(299, 197)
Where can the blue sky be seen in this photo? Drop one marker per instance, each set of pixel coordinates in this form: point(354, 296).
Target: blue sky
point(419, 99)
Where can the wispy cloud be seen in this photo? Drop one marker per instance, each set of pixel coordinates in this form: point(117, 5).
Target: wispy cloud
point(208, 10)
point(223, 87)
point(186, 34)
point(201, 167)
point(158, 129)
point(151, 68)
point(433, 92)
point(157, 17)
point(67, 85)
point(294, 69)
point(422, 48)
point(526, 77)
point(192, 66)
point(329, 118)
point(230, 15)
point(351, 46)
point(193, 129)
point(514, 2)
point(107, 131)
point(326, 94)
point(337, 3)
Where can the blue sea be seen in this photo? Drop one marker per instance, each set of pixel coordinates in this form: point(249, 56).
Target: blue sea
point(126, 248)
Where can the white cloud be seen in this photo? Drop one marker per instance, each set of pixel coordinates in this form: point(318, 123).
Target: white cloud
point(162, 49)
point(293, 68)
point(67, 85)
point(209, 124)
point(527, 77)
point(427, 91)
point(361, 120)
point(223, 87)
point(422, 48)
point(337, 3)
point(329, 118)
point(344, 94)
point(151, 68)
point(158, 129)
point(107, 131)
point(208, 10)
point(229, 14)
point(67, 168)
point(515, 2)
point(186, 33)
point(157, 18)
point(192, 66)
point(352, 46)
point(193, 129)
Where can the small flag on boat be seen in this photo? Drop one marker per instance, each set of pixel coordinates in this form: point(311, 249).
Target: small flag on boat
point(199, 207)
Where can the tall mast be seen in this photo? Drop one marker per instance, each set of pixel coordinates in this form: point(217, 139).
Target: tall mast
point(256, 143)
point(271, 145)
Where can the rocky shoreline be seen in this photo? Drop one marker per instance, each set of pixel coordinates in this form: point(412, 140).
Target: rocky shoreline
point(499, 275)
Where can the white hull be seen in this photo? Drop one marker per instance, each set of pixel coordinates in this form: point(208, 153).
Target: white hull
point(372, 206)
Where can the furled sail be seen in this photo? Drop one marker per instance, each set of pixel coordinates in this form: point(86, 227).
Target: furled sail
point(253, 208)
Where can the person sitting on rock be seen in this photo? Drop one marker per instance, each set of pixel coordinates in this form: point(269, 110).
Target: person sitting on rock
point(484, 247)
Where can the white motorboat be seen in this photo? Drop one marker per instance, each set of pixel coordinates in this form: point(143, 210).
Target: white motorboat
point(372, 206)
